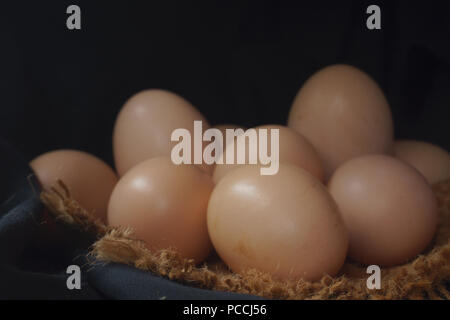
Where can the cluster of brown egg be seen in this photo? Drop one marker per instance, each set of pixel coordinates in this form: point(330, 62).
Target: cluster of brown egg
point(344, 187)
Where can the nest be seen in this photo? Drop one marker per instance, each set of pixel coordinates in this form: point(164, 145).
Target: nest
point(427, 276)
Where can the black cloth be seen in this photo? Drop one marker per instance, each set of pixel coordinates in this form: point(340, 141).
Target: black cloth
point(35, 254)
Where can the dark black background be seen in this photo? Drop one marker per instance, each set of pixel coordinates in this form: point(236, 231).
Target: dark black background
point(238, 62)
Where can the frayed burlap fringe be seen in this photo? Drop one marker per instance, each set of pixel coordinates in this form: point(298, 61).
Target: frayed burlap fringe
point(426, 277)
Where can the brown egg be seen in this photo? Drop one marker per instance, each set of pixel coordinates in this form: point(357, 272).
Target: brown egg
point(89, 179)
point(388, 207)
point(431, 161)
point(285, 224)
point(293, 149)
point(165, 204)
point(145, 124)
point(344, 114)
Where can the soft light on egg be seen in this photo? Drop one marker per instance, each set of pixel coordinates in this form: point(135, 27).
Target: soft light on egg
point(165, 205)
point(285, 224)
point(89, 179)
point(431, 161)
point(344, 114)
point(145, 124)
point(388, 208)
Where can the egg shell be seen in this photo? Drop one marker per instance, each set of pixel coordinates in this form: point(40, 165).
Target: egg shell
point(431, 161)
point(285, 224)
point(89, 179)
point(344, 114)
point(165, 205)
point(145, 124)
point(293, 149)
point(388, 208)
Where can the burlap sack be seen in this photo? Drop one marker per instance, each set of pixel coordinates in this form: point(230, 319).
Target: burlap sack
point(425, 277)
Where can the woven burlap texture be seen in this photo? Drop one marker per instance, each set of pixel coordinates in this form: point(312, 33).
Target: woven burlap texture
point(425, 277)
